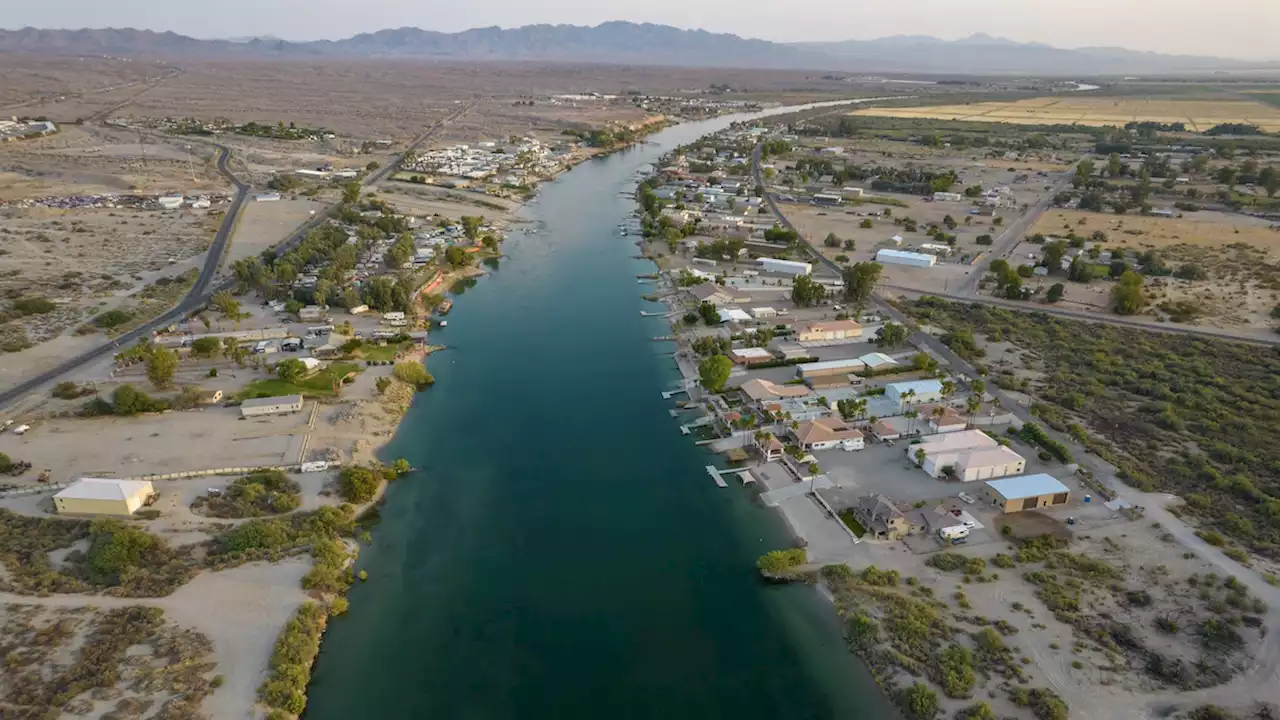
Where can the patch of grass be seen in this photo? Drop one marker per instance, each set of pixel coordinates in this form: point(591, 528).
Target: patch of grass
point(321, 384)
point(846, 517)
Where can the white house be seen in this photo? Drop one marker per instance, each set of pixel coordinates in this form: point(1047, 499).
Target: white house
point(280, 405)
point(785, 267)
point(902, 257)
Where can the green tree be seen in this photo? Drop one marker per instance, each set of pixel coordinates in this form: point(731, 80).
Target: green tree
point(831, 241)
point(400, 252)
point(351, 193)
point(1127, 297)
point(860, 282)
point(161, 366)
point(1084, 171)
point(806, 291)
point(206, 347)
point(456, 257)
point(1055, 293)
point(413, 373)
point(358, 484)
point(1227, 176)
point(891, 335)
point(709, 313)
point(1269, 179)
point(1053, 254)
point(714, 372)
point(471, 226)
point(116, 548)
point(291, 370)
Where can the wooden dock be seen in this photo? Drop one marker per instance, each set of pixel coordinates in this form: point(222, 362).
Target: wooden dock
point(715, 475)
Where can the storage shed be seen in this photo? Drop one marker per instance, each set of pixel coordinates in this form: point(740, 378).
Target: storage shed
point(1027, 492)
point(902, 257)
point(789, 267)
point(259, 407)
point(103, 496)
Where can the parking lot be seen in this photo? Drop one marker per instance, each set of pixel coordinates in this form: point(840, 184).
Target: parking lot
point(212, 437)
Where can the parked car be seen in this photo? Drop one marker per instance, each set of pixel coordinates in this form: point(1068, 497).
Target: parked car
point(966, 497)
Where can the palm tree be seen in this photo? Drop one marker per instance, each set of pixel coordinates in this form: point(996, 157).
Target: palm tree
point(905, 398)
point(920, 456)
point(938, 412)
point(972, 405)
point(912, 415)
point(979, 387)
point(948, 388)
point(860, 408)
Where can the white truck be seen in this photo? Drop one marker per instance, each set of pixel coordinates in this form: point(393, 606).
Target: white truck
point(953, 533)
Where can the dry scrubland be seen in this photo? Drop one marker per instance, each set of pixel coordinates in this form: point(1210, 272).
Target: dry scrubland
point(1112, 624)
point(1199, 115)
point(31, 80)
point(1240, 257)
point(95, 160)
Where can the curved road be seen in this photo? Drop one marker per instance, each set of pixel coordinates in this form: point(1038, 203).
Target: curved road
point(194, 298)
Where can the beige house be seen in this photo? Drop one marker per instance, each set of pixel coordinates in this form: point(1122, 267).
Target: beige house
point(827, 330)
point(761, 390)
point(770, 447)
point(828, 433)
point(881, 517)
point(103, 496)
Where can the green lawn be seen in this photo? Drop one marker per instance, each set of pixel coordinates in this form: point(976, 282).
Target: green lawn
point(318, 385)
point(846, 516)
point(379, 353)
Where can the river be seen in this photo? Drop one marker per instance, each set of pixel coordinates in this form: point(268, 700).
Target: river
point(562, 553)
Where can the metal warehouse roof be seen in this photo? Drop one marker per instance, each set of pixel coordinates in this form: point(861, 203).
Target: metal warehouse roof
point(832, 365)
point(104, 489)
point(1027, 486)
point(272, 401)
point(920, 386)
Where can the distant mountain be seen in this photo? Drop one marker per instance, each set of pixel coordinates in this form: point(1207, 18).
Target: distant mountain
point(638, 43)
point(983, 54)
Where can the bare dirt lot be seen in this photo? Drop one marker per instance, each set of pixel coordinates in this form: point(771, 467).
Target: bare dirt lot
point(1201, 228)
point(35, 79)
point(264, 224)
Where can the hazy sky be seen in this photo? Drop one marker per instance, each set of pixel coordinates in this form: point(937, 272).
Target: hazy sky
point(1229, 28)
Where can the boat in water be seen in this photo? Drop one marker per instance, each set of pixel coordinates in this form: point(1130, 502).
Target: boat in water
point(445, 306)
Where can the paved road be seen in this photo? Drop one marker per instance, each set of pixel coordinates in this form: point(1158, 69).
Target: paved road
point(205, 284)
point(1081, 315)
point(1015, 232)
point(194, 298)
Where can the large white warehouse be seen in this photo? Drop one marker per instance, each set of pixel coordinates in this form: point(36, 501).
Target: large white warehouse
point(789, 267)
point(902, 257)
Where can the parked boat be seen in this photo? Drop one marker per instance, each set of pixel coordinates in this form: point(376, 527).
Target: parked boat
point(445, 307)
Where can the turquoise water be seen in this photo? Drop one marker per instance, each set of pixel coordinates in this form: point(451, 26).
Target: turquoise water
point(563, 554)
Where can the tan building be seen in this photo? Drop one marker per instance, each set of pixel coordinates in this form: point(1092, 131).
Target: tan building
point(258, 407)
point(828, 330)
point(828, 433)
point(881, 517)
point(770, 447)
point(1028, 492)
point(103, 496)
point(761, 390)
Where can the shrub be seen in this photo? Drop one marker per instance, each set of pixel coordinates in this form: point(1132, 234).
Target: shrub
point(295, 651)
point(917, 702)
point(68, 390)
point(413, 373)
point(128, 400)
point(112, 318)
point(358, 484)
point(266, 492)
point(33, 306)
point(872, 575)
point(780, 561)
point(862, 632)
point(382, 384)
point(955, 667)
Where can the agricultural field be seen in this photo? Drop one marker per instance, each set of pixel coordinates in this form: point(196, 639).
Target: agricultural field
point(1198, 115)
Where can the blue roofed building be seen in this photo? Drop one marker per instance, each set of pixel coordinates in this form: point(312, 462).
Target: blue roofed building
point(1026, 492)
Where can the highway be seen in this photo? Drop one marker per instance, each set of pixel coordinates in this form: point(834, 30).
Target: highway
point(205, 285)
point(193, 299)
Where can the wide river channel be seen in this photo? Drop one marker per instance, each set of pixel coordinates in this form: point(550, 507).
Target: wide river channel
point(562, 553)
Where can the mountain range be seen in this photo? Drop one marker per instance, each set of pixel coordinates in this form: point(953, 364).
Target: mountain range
point(640, 43)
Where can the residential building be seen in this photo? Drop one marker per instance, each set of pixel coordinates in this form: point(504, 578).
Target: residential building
point(902, 257)
point(947, 197)
point(311, 313)
point(1028, 492)
point(763, 313)
point(829, 330)
point(925, 391)
point(881, 517)
point(969, 455)
point(948, 421)
point(786, 267)
point(744, 356)
point(828, 433)
point(883, 431)
point(989, 463)
point(710, 292)
point(258, 407)
point(733, 314)
point(103, 496)
point(761, 390)
point(770, 447)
